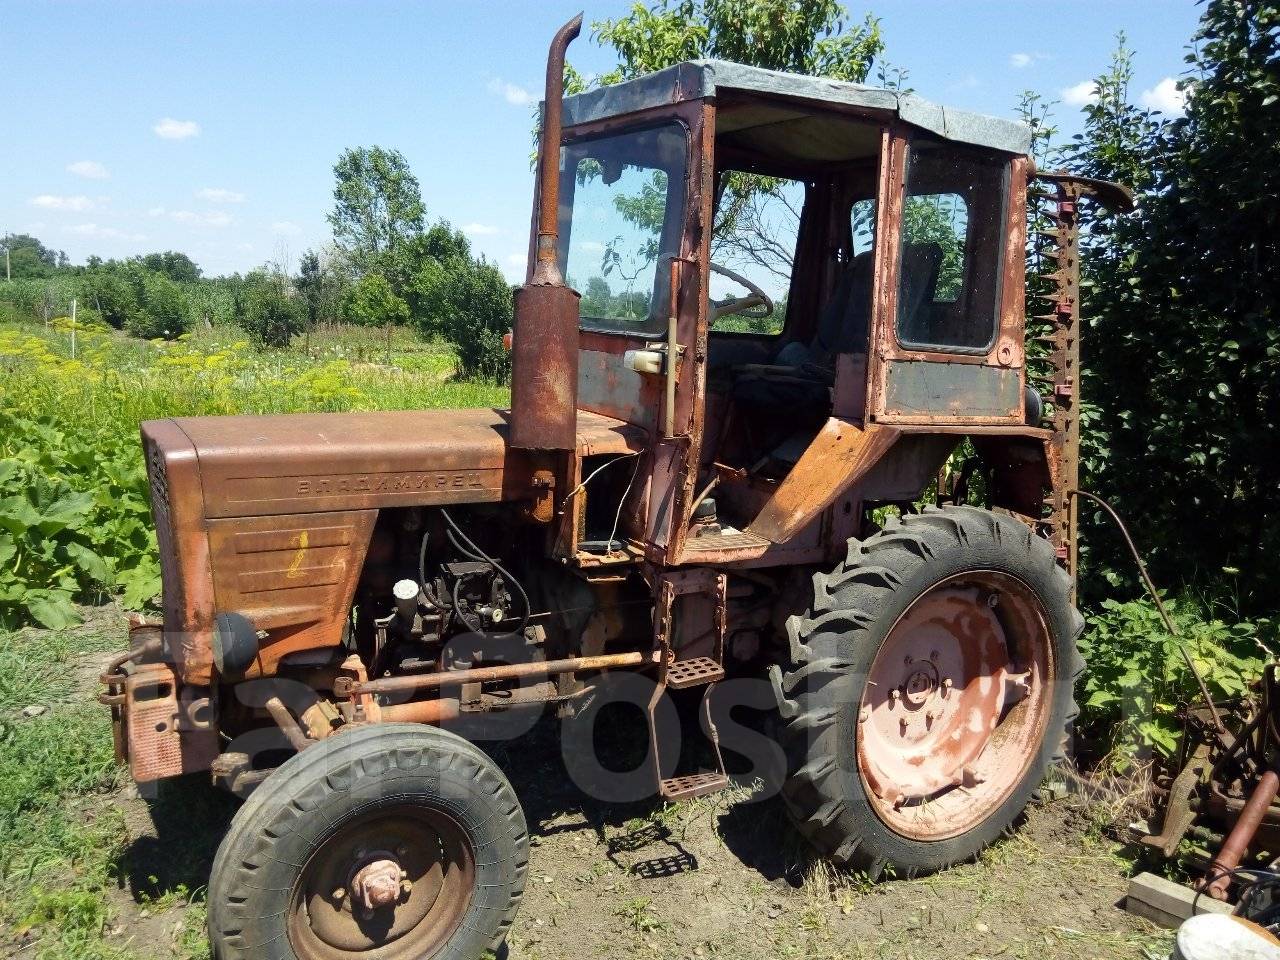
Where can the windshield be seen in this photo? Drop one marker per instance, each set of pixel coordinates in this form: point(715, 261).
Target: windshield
point(621, 215)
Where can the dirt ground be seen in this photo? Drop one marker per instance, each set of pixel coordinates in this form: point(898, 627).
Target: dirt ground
point(721, 876)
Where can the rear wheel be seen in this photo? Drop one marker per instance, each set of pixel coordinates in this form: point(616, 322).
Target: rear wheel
point(392, 842)
point(929, 690)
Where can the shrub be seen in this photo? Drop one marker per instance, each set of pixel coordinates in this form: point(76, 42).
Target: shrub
point(164, 313)
point(271, 315)
point(371, 302)
point(1137, 677)
point(110, 294)
point(474, 307)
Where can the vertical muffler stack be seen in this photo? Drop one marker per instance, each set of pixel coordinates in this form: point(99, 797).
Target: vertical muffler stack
point(544, 348)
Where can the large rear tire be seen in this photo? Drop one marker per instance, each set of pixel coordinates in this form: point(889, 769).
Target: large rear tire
point(929, 690)
point(390, 842)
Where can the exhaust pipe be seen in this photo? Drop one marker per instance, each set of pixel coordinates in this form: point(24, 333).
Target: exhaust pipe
point(544, 348)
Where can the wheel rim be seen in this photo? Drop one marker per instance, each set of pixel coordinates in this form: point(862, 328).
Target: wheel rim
point(954, 709)
point(392, 886)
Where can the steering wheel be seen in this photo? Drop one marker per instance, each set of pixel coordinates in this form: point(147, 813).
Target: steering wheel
point(757, 298)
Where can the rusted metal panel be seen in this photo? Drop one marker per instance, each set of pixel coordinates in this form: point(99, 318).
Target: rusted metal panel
point(177, 507)
point(608, 387)
point(164, 737)
point(544, 368)
point(836, 459)
point(316, 462)
point(918, 389)
point(292, 576)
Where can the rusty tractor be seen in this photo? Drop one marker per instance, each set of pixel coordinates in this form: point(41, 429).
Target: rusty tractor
point(691, 486)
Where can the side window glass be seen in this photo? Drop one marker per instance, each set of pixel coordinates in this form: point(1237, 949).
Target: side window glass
point(620, 219)
point(757, 225)
point(952, 244)
point(863, 222)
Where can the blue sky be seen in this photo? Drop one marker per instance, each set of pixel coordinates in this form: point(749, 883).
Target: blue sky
point(212, 128)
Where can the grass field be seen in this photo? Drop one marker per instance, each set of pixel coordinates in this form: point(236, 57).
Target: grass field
point(74, 517)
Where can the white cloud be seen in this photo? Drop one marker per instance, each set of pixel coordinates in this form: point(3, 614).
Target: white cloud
point(286, 227)
point(1086, 91)
point(50, 201)
point(1165, 97)
point(89, 169)
point(512, 93)
point(219, 195)
point(1020, 60)
point(105, 233)
point(514, 265)
point(171, 129)
point(214, 218)
point(480, 230)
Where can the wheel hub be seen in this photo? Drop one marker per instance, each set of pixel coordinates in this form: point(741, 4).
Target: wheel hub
point(379, 882)
point(933, 721)
point(395, 886)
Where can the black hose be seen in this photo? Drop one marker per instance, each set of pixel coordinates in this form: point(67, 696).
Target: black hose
point(480, 556)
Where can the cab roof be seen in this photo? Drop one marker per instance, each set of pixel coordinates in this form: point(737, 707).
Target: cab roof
point(697, 79)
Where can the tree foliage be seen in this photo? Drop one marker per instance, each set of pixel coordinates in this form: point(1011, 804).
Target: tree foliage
point(272, 312)
point(377, 205)
point(1183, 348)
point(178, 267)
point(28, 257)
point(812, 38)
point(164, 311)
point(371, 302)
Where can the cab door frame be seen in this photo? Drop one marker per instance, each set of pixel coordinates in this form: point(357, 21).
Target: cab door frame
point(929, 387)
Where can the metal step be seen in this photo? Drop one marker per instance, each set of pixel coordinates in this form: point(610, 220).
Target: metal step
point(693, 672)
point(696, 785)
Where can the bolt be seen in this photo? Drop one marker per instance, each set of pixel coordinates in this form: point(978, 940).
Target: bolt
point(902, 727)
point(894, 694)
point(402, 850)
point(406, 885)
point(928, 719)
point(993, 600)
point(340, 894)
point(908, 660)
point(864, 714)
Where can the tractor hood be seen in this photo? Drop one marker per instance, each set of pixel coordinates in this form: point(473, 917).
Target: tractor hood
point(317, 462)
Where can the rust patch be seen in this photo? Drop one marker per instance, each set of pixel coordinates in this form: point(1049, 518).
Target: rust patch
point(839, 456)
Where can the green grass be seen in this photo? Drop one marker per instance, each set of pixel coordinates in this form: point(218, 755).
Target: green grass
point(70, 456)
point(59, 842)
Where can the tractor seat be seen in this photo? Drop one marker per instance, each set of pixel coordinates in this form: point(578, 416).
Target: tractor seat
point(800, 375)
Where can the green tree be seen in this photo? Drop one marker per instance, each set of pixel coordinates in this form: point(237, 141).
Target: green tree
point(371, 302)
point(1184, 362)
point(110, 293)
point(28, 257)
point(810, 37)
point(272, 313)
point(163, 309)
point(178, 267)
point(475, 301)
point(320, 288)
point(377, 206)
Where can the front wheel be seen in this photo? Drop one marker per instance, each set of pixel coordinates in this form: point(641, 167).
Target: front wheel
point(389, 842)
point(929, 690)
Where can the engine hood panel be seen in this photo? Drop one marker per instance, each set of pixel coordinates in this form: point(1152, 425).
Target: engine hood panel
point(315, 462)
point(309, 462)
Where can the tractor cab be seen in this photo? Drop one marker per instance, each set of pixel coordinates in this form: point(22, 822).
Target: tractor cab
point(803, 291)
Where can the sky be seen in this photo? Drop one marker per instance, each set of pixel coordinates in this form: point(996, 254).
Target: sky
point(212, 128)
